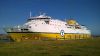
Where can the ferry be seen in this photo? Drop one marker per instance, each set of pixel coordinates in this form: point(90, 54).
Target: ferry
point(43, 27)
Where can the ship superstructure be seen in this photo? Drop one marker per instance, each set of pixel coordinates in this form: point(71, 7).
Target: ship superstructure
point(45, 27)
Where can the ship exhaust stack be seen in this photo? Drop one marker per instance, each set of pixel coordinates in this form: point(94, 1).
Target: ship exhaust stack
point(71, 22)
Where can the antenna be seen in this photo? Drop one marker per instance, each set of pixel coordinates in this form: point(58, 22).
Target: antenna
point(65, 19)
point(30, 14)
point(40, 12)
point(71, 17)
point(44, 13)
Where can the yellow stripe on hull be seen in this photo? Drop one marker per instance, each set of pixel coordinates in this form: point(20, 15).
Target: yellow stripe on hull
point(36, 36)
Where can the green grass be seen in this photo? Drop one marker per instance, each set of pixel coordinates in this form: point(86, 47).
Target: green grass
point(89, 47)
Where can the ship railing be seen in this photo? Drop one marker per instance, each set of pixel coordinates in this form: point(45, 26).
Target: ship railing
point(12, 29)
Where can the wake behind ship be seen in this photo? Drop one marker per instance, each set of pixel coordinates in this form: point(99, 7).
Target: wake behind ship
point(44, 27)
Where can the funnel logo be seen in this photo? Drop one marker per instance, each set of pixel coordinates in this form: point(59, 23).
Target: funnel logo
point(62, 32)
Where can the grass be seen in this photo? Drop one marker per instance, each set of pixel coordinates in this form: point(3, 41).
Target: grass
point(89, 47)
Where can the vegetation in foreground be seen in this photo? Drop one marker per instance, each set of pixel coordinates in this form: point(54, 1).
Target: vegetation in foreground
point(89, 47)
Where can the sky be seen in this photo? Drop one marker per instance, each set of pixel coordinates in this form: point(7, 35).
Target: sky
point(85, 12)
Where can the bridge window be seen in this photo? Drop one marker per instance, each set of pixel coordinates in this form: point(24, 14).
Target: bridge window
point(47, 22)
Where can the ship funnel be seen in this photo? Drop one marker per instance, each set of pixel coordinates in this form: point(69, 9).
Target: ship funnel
point(71, 22)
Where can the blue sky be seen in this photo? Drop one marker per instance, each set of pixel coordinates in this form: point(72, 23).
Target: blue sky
point(16, 12)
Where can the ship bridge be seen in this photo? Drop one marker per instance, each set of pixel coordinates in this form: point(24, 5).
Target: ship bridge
point(40, 17)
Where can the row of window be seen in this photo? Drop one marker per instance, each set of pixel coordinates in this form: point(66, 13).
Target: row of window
point(60, 25)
